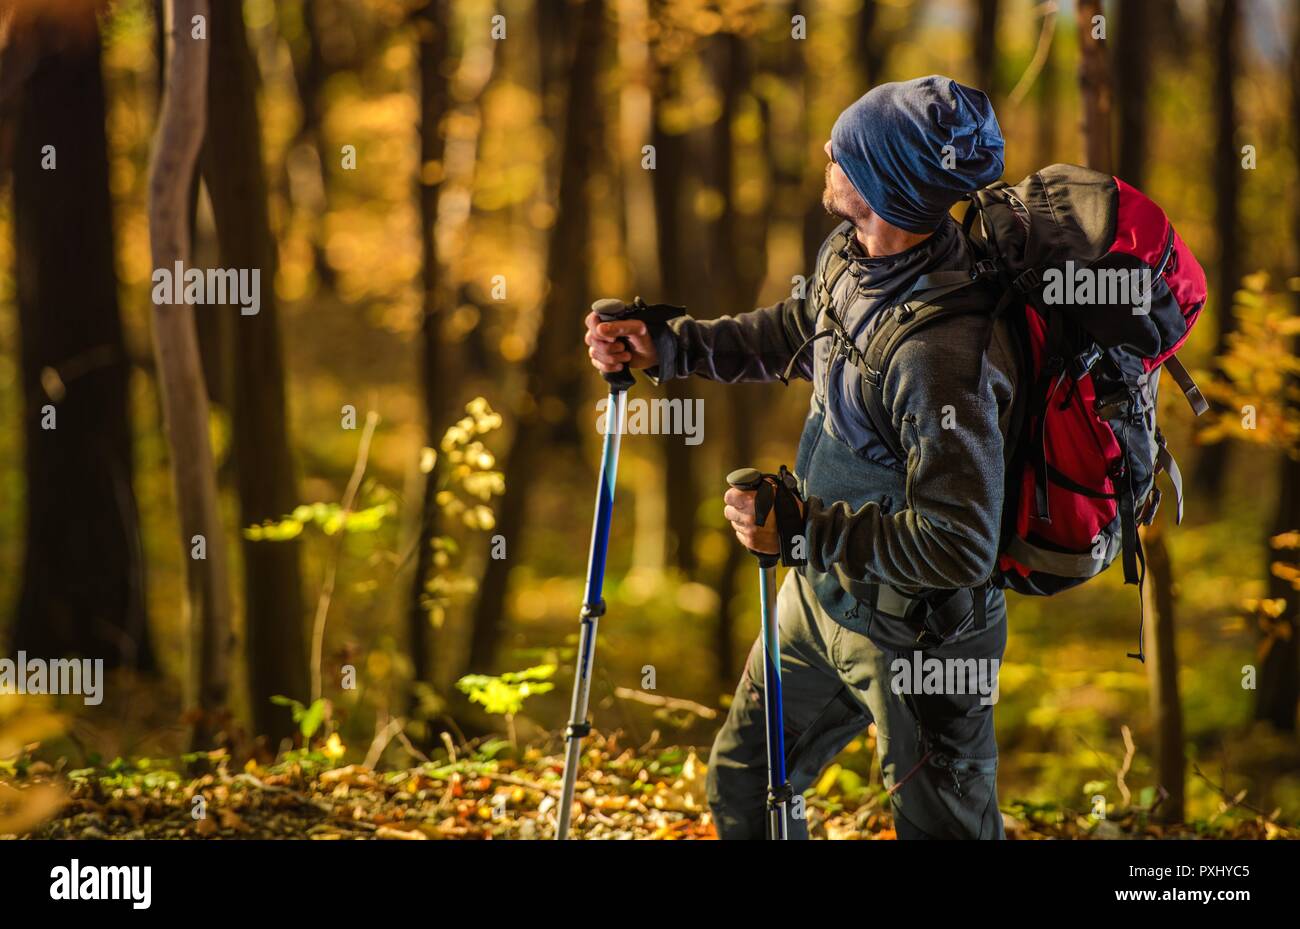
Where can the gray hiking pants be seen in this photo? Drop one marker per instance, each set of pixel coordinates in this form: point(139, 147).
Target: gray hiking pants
point(937, 751)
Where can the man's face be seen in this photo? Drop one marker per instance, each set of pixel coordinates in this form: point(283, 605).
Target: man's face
point(841, 198)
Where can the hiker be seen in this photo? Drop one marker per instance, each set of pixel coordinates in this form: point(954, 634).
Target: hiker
point(901, 530)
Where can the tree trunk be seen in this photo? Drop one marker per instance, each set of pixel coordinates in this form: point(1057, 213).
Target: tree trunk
point(1094, 89)
point(1162, 672)
point(559, 338)
point(1279, 668)
point(180, 373)
point(867, 44)
point(1225, 33)
point(671, 170)
point(1279, 671)
point(738, 265)
point(236, 182)
point(986, 47)
point(310, 72)
point(432, 24)
point(82, 587)
point(1132, 63)
point(1049, 102)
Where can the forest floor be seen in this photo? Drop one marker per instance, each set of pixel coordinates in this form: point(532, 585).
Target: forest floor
point(622, 795)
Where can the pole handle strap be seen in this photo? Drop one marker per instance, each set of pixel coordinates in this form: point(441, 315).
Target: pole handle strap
point(653, 314)
point(777, 493)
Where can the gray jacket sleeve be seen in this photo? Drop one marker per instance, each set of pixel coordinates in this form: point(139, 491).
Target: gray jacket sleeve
point(753, 346)
point(947, 534)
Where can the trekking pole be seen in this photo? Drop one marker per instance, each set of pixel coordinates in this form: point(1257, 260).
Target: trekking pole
point(778, 786)
point(593, 604)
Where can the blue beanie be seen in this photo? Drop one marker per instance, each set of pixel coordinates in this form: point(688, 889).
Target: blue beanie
point(891, 144)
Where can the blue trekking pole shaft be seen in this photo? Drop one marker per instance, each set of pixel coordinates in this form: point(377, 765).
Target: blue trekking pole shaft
point(593, 603)
point(778, 787)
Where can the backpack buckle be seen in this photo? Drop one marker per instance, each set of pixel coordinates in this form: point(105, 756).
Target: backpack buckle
point(844, 346)
point(1027, 280)
point(985, 267)
point(1084, 362)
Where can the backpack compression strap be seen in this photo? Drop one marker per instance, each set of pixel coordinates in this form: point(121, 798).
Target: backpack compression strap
point(1186, 384)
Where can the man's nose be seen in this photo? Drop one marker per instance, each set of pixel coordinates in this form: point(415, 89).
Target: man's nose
point(827, 149)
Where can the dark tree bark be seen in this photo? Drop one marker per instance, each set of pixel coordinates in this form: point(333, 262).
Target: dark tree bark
point(1094, 89)
point(432, 24)
point(559, 338)
point(1225, 33)
point(235, 178)
point(1049, 101)
point(82, 587)
point(310, 71)
point(986, 47)
point(867, 44)
point(1132, 62)
point(738, 263)
point(1279, 670)
point(1162, 673)
point(677, 286)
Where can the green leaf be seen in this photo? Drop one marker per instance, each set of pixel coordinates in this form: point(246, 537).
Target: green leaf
point(312, 718)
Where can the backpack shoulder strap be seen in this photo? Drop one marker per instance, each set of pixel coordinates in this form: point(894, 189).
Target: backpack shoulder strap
point(939, 295)
point(832, 262)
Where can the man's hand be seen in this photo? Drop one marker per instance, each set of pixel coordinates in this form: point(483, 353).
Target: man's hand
point(740, 513)
point(608, 354)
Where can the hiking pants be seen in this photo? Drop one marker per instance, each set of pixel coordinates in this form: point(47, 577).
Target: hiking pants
point(937, 752)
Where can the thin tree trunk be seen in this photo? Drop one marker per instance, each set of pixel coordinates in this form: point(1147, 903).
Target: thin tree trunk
point(1225, 33)
point(1162, 672)
point(671, 170)
point(1279, 669)
point(1133, 60)
point(867, 45)
point(432, 24)
point(264, 472)
point(310, 72)
point(738, 265)
point(1049, 102)
point(559, 338)
point(1278, 680)
point(82, 587)
point(986, 46)
point(1094, 89)
point(180, 374)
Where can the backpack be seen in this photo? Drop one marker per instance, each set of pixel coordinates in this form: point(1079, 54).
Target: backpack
point(1099, 292)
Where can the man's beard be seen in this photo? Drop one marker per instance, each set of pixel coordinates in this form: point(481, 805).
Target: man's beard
point(828, 198)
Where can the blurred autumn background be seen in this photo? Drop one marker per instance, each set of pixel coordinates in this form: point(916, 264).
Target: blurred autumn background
point(434, 193)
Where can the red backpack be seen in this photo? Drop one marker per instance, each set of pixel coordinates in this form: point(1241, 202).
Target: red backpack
point(1101, 292)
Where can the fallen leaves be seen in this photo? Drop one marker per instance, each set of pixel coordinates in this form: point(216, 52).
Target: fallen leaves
point(620, 794)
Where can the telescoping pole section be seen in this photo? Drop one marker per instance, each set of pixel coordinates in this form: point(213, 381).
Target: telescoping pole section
point(593, 603)
point(778, 787)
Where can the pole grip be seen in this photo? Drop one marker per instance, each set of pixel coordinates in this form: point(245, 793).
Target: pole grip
point(610, 310)
point(752, 479)
point(745, 478)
